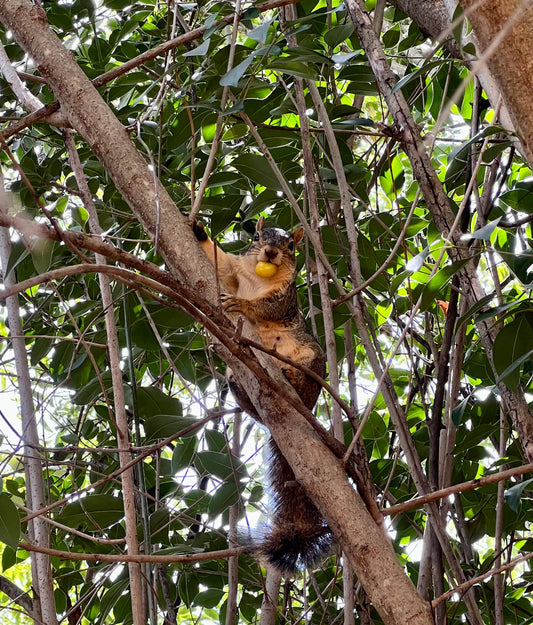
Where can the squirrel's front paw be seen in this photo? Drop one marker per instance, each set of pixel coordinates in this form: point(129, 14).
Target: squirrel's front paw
point(199, 230)
point(231, 303)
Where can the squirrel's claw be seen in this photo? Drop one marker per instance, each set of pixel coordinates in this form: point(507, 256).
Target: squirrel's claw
point(230, 303)
point(199, 230)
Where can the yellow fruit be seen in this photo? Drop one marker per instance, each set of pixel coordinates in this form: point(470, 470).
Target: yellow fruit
point(266, 270)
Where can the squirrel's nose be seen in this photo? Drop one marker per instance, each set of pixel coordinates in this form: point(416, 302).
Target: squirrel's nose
point(270, 252)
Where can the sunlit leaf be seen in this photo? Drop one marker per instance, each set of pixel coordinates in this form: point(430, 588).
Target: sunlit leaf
point(231, 78)
point(200, 50)
point(261, 32)
point(485, 232)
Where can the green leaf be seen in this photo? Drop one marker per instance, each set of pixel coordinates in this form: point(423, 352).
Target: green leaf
point(42, 252)
point(457, 160)
point(257, 169)
point(152, 401)
point(9, 558)
point(485, 232)
point(439, 281)
point(292, 68)
point(231, 78)
point(19, 252)
point(183, 453)
point(143, 337)
point(209, 598)
point(159, 525)
point(92, 512)
point(513, 346)
point(343, 58)
point(419, 73)
point(482, 303)
point(459, 411)
point(216, 441)
point(200, 50)
point(221, 465)
point(89, 393)
point(41, 348)
point(261, 32)
point(336, 35)
point(494, 151)
point(513, 495)
point(169, 318)
point(224, 497)
point(9, 522)
point(110, 597)
point(197, 500)
point(160, 426)
point(520, 198)
point(188, 587)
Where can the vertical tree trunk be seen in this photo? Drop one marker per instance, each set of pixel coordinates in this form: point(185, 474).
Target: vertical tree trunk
point(123, 436)
point(43, 588)
point(504, 31)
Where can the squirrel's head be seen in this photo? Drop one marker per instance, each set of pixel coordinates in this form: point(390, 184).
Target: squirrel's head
point(274, 245)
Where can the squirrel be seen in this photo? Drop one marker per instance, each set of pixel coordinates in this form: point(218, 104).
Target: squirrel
point(261, 285)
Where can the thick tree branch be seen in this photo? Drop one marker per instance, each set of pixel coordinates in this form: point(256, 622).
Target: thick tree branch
point(504, 33)
point(17, 595)
point(432, 19)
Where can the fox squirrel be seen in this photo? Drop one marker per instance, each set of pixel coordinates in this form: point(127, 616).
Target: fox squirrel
point(298, 536)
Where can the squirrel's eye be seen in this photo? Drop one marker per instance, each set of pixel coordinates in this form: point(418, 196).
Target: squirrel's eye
point(256, 236)
point(291, 245)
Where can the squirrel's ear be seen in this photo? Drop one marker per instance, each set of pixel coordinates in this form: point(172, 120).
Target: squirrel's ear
point(297, 235)
point(260, 224)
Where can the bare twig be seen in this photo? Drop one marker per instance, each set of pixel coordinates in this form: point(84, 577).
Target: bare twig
point(457, 488)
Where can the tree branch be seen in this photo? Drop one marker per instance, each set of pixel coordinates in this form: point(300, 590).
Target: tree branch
point(222, 554)
point(17, 595)
point(419, 502)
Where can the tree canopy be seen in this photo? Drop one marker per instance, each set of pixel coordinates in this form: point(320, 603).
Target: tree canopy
point(130, 481)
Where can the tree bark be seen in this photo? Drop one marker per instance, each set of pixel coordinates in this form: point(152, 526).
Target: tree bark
point(434, 18)
point(504, 33)
point(43, 603)
point(316, 468)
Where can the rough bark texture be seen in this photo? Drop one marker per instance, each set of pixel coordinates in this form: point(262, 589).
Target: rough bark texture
point(504, 32)
point(324, 478)
point(432, 18)
point(315, 467)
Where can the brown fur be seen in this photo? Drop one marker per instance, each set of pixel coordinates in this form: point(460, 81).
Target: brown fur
point(298, 536)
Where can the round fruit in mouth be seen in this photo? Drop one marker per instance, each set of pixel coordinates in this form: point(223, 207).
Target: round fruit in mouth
point(266, 270)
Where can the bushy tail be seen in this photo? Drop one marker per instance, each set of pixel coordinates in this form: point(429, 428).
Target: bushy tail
point(298, 537)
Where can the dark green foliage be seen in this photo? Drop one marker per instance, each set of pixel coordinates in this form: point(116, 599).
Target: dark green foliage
point(171, 105)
